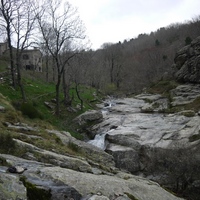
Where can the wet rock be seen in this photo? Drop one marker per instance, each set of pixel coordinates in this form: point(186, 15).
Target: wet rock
point(93, 154)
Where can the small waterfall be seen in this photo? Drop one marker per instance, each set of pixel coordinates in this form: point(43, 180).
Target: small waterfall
point(99, 141)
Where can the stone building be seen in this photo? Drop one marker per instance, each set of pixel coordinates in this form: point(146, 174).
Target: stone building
point(3, 47)
point(31, 58)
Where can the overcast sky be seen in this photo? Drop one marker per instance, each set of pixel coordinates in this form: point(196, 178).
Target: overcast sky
point(117, 20)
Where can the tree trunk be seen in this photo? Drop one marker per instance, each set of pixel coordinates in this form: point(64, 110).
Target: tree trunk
point(79, 97)
point(111, 71)
point(20, 81)
point(57, 111)
point(47, 68)
point(54, 75)
point(12, 69)
point(66, 89)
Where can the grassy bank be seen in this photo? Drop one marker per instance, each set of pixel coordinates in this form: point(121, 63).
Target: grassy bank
point(39, 92)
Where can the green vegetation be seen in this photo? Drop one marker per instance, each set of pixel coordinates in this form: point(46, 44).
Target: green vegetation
point(39, 92)
point(195, 105)
point(163, 87)
point(7, 143)
point(110, 89)
point(157, 43)
point(188, 108)
point(40, 117)
point(29, 110)
point(73, 147)
point(188, 40)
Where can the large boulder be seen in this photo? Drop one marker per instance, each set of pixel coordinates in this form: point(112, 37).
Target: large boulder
point(187, 62)
point(54, 182)
point(125, 157)
point(125, 151)
point(121, 185)
point(88, 117)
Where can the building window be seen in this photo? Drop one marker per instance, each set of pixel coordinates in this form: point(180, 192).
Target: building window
point(25, 57)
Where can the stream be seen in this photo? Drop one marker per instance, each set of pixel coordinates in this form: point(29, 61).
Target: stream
point(99, 139)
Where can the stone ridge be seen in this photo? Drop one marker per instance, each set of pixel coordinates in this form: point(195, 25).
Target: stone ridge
point(187, 63)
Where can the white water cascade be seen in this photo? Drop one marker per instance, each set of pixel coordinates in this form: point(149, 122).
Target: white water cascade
point(99, 141)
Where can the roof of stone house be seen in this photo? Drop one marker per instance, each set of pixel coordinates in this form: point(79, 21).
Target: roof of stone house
point(32, 50)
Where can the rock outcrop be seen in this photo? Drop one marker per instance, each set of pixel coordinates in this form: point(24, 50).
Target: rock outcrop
point(88, 117)
point(11, 187)
point(187, 62)
point(54, 183)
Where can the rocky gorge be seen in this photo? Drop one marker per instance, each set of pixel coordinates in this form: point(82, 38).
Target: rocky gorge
point(144, 147)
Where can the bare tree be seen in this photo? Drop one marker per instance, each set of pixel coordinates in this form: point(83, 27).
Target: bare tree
point(60, 27)
point(23, 26)
point(79, 70)
point(18, 21)
point(7, 13)
point(113, 61)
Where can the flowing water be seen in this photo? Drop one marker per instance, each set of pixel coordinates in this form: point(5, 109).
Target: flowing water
point(99, 141)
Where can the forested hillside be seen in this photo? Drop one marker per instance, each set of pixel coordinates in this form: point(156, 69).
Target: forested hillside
point(67, 60)
point(134, 64)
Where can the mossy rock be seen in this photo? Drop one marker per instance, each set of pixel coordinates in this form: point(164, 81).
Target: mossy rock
point(187, 113)
point(35, 192)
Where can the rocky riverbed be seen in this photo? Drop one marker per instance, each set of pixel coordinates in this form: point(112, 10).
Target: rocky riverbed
point(142, 147)
point(66, 179)
point(147, 141)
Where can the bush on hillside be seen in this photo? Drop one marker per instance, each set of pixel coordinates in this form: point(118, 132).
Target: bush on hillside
point(7, 144)
point(29, 110)
point(110, 89)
